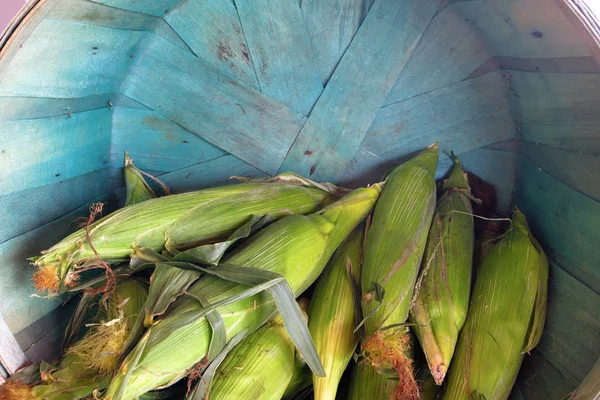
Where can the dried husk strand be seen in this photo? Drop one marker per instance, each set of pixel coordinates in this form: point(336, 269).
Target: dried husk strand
point(506, 317)
point(392, 257)
point(296, 247)
point(440, 308)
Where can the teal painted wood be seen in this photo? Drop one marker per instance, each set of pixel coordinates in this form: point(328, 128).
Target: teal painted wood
point(462, 117)
point(32, 208)
point(519, 29)
point(225, 112)
point(155, 143)
point(358, 88)
point(331, 26)
point(561, 110)
point(457, 48)
point(21, 108)
point(46, 151)
point(281, 52)
point(98, 60)
point(211, 173)
point(89, 13)
point(212, 29)
point(158, 8)
point(538, 379)
point(563, 218)
point(571, 340)
point(577, 169)
point(466, 34)
point(20, 309)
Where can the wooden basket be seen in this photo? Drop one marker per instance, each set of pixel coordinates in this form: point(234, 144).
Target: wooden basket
point(339, 90)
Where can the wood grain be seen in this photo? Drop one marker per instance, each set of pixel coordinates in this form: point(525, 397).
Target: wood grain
point(281, 52)
point(358, 88)
point(331, 26)
point(11, 355)
point(225, 112)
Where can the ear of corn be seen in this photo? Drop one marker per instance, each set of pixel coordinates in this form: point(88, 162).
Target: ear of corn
point(172, 223)
point(301, 379)
point(332, 315)
point(88, 364)
point(137, 188)
point(392, 256)
point(506, 317)
point(441, 305)
point(260, 367)
point(297, 247)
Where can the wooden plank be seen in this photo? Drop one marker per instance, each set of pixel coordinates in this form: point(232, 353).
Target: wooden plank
point(561, 110)
point(19, 108)
point(457, 47)
point(42, 340)
point(155, 143)
point(538, 379)
point(281, 52)
point(577, 169)
point(158, 8)
point(42, 151)
point(34, 207)
point(519, 29)
point(211, 28)
point(589, 388)
point(222, 110)
point(11, 355)
point(210, 173)
point(571, 339)
point(563, 218)
point(563, 65)
point(465, 34)
point(331, 26)
point(90, 13)
point(358, 88)
point(462, 117)
point(20, 309)
point(98, 59)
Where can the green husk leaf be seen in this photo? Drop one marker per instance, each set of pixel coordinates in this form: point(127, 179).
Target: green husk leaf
point(541, 301)
point(168, 283)
point(211, 254)
point(218, 340)
point(137, 188)
point(130, 364)
point(284, 298)
point(202, 389)
point(84, 306)
point(292, 177)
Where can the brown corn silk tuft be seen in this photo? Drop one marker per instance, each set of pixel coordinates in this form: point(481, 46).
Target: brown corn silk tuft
point(15, 390)
point(388, 350)
point(45, 279)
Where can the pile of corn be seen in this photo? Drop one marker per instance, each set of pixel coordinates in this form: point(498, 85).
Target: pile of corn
point(193, 295)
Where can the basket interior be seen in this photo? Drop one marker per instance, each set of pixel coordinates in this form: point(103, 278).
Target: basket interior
point(340, 90)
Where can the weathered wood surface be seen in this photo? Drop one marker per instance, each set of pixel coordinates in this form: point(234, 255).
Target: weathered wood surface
point(11, 355)
point(281, 52)
point(358, 88)
point(222, 110)
point(331, 26)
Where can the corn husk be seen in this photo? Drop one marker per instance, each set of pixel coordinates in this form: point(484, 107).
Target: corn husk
point(440, 308)
point(296, 247)
point(259, 368)
point(301, 380)
point(89, 363)
point(332, 318)
point(505, 320)
point(135, 184)
point(170, 223)
point(392, 256)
